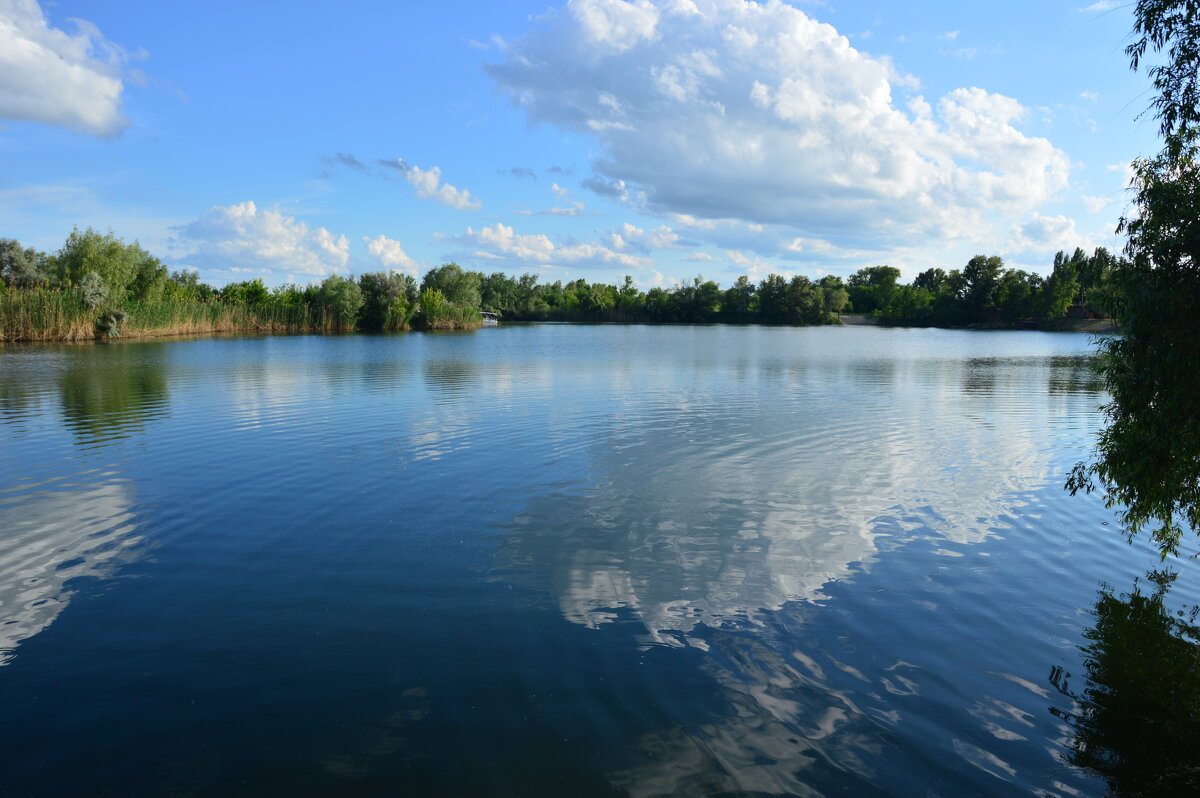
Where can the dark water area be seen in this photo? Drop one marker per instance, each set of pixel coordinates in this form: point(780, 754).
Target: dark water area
point(554, 560)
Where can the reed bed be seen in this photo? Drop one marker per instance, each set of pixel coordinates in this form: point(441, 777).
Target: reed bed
point(44, 315)
point(53, 315)
point(450, 317)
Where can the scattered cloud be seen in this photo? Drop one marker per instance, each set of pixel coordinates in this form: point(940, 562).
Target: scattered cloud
point(652, 279)
point(389, 254)
point(1090, 96)
point(1100, 7)
point(613, 189)
point(1124, 169)
point(501, 242)
point(968, 53)
point(760, 114)
point(52, 77)
point(347, 160)
point(754, 267)
point(811, 245)
point(429, 185)
point(1096, 204)
point(518, 172)
point(949, 36)
point(265, 242)
point(701, 257)
point(575, 209)
point(630, 238)
point(560, 170)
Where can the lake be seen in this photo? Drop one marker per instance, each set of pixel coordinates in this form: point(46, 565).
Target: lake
point(550, 560)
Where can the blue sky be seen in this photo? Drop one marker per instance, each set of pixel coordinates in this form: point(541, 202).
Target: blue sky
point(591, 138)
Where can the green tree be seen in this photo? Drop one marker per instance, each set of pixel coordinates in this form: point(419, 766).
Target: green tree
point(805, 302)
point(772, 299)
point(1061, 289)
point(981, 277)
point(459, 287)
point(385, 302)
point(342, 298)
point(150, 280)
point(21, 267)
point(628, 296)
point(432, 303)
point(184, 284)
point(289, 296)
point(122, 266)
point(837, 298)
point(930, 279)
point(247, 292)
point(527, 292)
point(738, 302)
point(871, 288)
point(1171, 25)
point(499, 293)
point(909, 305)
point(1148, 454)
point(1016, 294)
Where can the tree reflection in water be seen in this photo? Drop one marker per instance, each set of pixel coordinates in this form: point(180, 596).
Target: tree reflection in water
point(112, 391)
point(1137, 721)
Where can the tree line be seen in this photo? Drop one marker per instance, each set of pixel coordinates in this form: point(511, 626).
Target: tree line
point(108, 278)
point(984, 291)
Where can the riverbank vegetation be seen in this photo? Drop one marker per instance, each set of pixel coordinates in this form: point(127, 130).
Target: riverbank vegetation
point(99, 286)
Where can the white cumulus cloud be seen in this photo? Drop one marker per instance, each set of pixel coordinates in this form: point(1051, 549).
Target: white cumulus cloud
point(428, 184)
point(389, 254)
point(727, 109)
point(52, 77)
point(265, 242)
point(1046, 234)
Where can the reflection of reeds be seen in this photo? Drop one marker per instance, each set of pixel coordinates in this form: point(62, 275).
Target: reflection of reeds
point(49, 315)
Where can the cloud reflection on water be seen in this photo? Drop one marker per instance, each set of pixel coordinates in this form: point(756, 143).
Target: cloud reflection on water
point(701, 509)
point(708, 516)
point(51, 538)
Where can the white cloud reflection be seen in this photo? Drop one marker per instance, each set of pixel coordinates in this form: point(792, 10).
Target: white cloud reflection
point(52, 537)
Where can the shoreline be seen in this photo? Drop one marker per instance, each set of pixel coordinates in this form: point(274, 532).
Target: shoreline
point(1087, 326)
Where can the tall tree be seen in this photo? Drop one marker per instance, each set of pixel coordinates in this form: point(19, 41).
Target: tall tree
point(1148, 455)
point(123, 267)
point(459, 287)
point(982, 278)
point(21, 267)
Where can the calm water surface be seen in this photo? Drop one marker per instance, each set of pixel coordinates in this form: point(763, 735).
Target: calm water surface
point(549, 560)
